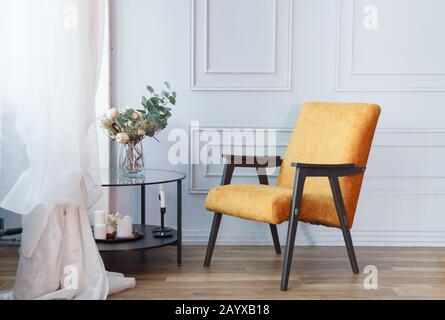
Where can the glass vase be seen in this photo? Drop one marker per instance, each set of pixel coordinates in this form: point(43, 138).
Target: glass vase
point(131, 159)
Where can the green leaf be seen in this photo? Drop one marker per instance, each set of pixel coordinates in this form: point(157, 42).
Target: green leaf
point(129, 114)
point(156, 114)
point(120, 122)
point(154, 101)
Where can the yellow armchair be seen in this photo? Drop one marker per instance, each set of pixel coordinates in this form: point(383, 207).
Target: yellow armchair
point(319, 182)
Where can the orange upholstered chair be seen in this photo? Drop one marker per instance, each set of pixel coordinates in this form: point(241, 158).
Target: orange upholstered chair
point(319, 182)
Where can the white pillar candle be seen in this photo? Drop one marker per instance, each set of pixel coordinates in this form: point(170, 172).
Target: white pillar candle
point(100, 232)
point(100, 217)
point(125, 227)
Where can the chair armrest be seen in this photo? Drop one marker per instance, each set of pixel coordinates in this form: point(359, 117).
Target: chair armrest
point(329, 170)
point(254, 161)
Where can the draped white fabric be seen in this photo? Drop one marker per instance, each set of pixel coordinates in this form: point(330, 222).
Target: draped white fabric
point(49, 68)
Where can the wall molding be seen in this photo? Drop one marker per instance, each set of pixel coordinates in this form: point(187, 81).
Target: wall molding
point(308, 235)
point(352, 72)
point(402, 140)
point(208, 70)
point(341, 88)
point(193, 83)
point(193, 189)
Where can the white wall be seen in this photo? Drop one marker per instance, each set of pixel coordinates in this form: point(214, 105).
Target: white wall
point(319, 52)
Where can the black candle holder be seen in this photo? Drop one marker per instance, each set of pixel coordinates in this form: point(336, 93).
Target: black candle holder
point(162, 231)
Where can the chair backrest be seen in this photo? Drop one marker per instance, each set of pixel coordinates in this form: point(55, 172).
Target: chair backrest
point(332, 133)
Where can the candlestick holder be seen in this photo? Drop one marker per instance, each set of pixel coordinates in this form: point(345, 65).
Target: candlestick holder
point(162, 232)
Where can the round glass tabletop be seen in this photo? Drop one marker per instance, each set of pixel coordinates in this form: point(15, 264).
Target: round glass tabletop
point(114, 178)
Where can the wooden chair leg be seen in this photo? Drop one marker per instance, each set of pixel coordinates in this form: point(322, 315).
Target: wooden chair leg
point(212, 241)
point(350, 248)
point(276, 238)
point(292, 231)
point(289, 253)
point(341, 211)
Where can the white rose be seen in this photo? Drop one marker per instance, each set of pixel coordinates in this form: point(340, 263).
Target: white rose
point(122, 138)
point(136, 116)
point(141, 132)
point(113, 114)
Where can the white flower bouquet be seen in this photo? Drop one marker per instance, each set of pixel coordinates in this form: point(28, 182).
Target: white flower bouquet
point(133, 125)
point(130, 126)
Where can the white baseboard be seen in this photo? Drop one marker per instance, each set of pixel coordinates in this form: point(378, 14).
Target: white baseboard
point(328, 237)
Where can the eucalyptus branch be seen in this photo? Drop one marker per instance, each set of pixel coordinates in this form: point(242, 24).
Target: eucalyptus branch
point(132, 124)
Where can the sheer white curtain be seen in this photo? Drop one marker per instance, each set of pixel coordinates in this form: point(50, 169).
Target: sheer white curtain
point(49, 68)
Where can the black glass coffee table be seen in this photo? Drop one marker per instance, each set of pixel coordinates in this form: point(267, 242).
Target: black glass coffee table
point(113, 178)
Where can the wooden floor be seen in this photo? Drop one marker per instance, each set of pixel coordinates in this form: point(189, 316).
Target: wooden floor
point(254, 273)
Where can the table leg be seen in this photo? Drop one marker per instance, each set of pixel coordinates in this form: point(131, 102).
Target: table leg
point(143, 205)
point(179, 221)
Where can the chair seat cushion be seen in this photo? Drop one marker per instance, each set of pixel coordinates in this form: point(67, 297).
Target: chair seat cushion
point(271, 204)
point(252, 202)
